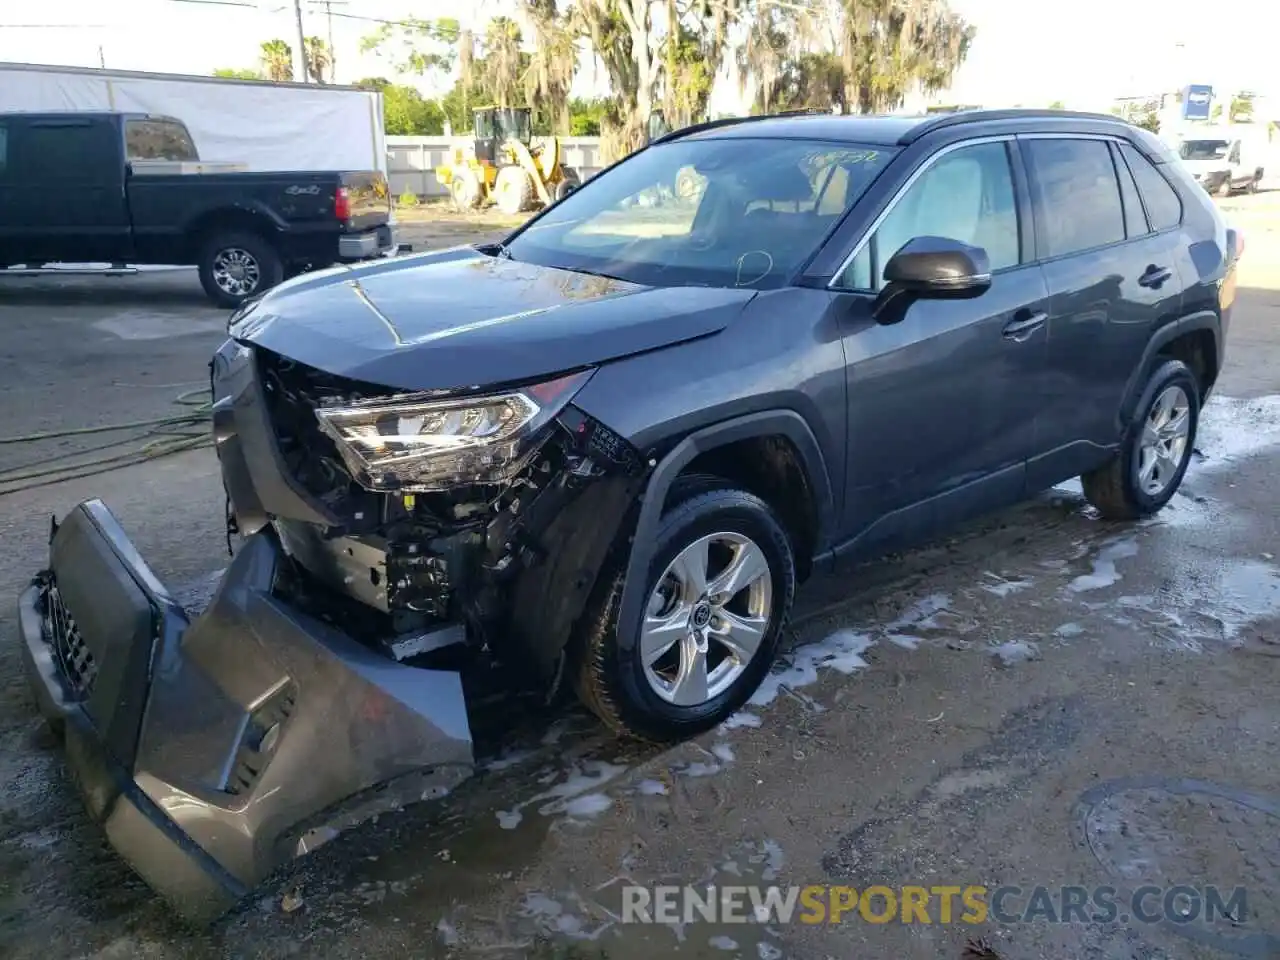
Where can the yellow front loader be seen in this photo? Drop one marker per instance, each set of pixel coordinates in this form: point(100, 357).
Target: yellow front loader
point(506, 166)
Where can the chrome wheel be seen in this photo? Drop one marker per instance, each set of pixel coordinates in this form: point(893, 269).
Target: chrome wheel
point(706, 618)
point(1164, 441)
point(236, 271)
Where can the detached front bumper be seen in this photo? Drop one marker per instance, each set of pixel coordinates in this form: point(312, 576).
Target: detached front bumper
point(214, 750)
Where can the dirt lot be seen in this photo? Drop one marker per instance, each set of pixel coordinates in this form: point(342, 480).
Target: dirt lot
point(1042, 699)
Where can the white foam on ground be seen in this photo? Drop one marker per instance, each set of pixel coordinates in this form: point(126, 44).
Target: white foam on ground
point(842, 652)
point(581, 779)
point(1104, 572)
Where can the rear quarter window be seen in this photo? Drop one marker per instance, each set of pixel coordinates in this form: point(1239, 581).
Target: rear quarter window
point(158, 140)
point(1164, 207)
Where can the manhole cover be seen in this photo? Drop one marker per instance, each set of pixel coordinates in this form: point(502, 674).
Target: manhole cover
point(1169, 833)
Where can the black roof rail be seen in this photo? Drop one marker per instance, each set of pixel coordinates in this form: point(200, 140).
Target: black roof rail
point(730, 121)
point(960, 117)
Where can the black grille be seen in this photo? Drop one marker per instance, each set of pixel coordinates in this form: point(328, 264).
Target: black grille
point(75, 662)
point(258, 741)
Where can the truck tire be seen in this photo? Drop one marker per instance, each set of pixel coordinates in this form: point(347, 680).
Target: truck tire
point(570, 181)
point(728, 641)
point(465, 190)
point(235, 265)
point(514, 190)
point(1224, 189)
point(1148, 468)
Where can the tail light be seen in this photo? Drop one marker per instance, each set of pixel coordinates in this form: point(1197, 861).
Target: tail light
point(342, 204)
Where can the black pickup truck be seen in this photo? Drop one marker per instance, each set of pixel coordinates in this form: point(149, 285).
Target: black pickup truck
point(122, 188)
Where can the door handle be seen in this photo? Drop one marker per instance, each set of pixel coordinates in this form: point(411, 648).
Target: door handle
point(1023, 325)
point(1154, 277)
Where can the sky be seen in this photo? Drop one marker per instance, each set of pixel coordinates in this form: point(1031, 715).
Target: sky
point(1082, 52)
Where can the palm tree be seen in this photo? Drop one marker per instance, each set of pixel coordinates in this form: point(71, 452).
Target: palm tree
point(318, 58)
point(277, 60)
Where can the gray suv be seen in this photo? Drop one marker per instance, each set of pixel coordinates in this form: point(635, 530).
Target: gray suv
point(606, 450)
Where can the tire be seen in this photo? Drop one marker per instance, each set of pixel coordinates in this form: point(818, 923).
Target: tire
point(465, 190)
point(1224, 189)
point(514, 190)
point(570, 182)
point(1117, 488)
point(259, 266)
point(616, 685)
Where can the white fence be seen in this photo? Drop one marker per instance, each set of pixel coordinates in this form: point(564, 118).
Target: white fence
point(411, 161)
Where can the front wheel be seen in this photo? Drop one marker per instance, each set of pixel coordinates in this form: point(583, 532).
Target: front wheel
point(234, 266)
point(717, 594)
point(1153, 457)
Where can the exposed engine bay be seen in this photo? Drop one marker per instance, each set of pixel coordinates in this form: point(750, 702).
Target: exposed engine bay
point(424, 561)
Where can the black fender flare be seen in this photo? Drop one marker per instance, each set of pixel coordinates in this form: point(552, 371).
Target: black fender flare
point(765, 423)
point(1201, 320)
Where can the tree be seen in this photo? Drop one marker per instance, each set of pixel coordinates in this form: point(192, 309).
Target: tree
point(1057, 105)
point(406, 113)
point(318, 58)
point(277, 60)
point(238, 73)
point(422, 47)
point(503, 63)
point(552, 63)
point(890, 47)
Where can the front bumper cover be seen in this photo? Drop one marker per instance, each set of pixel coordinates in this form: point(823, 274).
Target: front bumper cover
point(215, 750)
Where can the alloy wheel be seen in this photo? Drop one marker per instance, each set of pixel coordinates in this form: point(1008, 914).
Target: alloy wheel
point(1164, 440)
point(706, 618)
point(236, 271)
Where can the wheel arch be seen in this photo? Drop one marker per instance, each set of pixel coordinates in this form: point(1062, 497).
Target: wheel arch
point(258, 221)
point(1195, 339)
point(755, 428)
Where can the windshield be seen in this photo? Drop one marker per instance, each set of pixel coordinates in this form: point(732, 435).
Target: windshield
point(1202, 149)
point(716, 212)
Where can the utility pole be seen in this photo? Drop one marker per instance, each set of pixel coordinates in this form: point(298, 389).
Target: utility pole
point(302, 40)
point(102, 58)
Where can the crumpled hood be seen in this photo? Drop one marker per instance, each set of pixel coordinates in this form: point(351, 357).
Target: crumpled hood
point(458, 319)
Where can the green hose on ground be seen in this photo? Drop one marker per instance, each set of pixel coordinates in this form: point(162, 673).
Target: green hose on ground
point(161, 437)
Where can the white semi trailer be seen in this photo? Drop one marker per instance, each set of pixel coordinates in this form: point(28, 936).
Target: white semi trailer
point(256, 125)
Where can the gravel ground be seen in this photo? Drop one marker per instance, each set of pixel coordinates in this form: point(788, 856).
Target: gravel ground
point(1040, 699)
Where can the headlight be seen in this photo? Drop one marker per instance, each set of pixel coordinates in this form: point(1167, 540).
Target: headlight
point(417, 444)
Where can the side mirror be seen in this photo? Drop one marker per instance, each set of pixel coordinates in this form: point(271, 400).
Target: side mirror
point(931, 268)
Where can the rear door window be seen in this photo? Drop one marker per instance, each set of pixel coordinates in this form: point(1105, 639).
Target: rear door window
point(68, 151)
point(1077, 195)
point(152, 139)
point(1164, 207)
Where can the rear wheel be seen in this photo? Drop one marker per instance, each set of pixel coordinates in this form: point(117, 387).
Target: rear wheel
point(514, 190)
point(1152, 460)
point(570, 182)
point(1224, 189)
point(234, 266)
point(717, 594)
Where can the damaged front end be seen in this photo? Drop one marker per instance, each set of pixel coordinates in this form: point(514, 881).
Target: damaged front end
point(380, 529)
